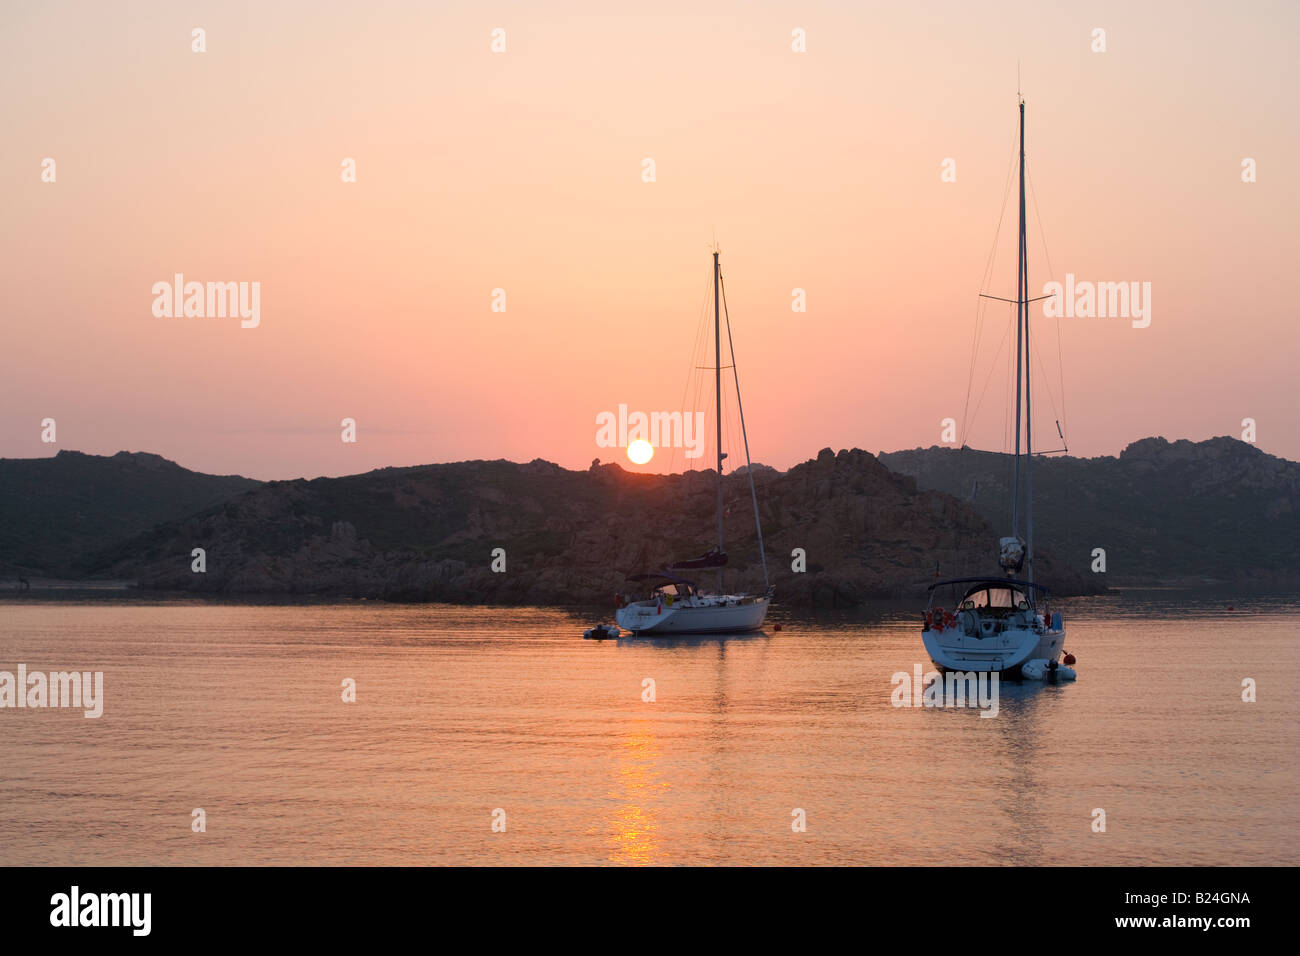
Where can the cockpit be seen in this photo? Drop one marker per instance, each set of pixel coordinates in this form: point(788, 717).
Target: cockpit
point(994, 600)
point(987, 606)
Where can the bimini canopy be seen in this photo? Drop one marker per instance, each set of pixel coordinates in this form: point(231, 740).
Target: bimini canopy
point(996, 593)
point(991, 582)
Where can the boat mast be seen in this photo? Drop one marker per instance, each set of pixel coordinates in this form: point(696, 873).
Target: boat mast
point(1029, 418)
point(717, 397)
point(1020, 311)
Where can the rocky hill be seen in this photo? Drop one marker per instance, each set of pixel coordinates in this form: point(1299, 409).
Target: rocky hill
point(1164, 512)
point(56, 512)
point(428, 533)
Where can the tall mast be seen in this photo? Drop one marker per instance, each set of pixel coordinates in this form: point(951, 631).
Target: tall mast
point(1020, 318)
point(1029, 418)
point(717, 396)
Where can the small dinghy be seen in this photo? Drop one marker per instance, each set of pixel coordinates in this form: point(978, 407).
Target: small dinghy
point(1050, 671)
point(601, 632)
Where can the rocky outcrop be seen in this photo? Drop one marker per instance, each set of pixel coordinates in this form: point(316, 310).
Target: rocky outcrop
point(430, 533)
point(1165, 513)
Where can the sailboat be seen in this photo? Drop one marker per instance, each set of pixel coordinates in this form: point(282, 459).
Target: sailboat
point(676, 605)
point(1002, 623)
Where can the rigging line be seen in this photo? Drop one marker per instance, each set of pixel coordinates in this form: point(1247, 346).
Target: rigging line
point(709, 405)
point(749, 467)
point(1063, 423)
point(980, 308)
point(1060, 361)
point(993, 367)
point(1006, 406)
point(690, 374)
point(984, 282)
point(1042, 237)
point(698, 400)
point(1007, 428)
point(731, 426)
point(697, 378)
point(704, 401)
point(672, 457)
point(726, 424)
point(1050, 395)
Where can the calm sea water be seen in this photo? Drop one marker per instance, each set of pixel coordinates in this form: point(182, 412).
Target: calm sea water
point(237, 709)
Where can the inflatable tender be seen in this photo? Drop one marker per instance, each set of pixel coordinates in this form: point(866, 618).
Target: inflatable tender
point(1039, 669)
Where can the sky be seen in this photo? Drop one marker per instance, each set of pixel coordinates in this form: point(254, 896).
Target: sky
point(824, 170)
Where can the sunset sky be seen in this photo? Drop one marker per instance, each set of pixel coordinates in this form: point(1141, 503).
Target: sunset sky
point(522, 170)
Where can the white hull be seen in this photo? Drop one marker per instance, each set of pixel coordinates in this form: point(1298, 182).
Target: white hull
point(952, 649)
point(732, 614)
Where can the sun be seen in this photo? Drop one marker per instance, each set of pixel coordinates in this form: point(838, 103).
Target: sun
point(640, 451)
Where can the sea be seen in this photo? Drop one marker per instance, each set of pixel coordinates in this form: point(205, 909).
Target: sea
point(361, 732)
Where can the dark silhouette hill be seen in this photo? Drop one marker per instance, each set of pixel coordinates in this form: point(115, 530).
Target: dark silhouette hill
point(428, 533)
point(1166, 513)
point(56, 512)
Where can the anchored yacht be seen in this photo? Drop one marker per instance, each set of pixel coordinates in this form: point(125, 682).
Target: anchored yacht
point(1003, 623)
point(676, 605)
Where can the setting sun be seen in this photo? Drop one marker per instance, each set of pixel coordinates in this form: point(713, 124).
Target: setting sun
point(640, 451)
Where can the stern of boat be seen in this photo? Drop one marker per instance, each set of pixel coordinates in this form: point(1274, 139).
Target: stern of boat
point(952, 650)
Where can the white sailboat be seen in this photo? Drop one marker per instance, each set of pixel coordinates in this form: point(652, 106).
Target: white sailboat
point(676, 605)
point(1003, 623)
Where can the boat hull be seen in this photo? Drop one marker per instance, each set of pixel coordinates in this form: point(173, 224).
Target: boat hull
point(647, 617)
point(953, 650)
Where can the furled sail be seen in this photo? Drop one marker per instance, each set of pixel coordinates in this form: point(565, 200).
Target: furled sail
point(1011, 554)
point(710, 559)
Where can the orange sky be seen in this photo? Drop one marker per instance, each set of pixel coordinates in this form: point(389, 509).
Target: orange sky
point(522, 170)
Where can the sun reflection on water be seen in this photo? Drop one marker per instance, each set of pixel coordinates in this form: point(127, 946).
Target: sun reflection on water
point(633, 821)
